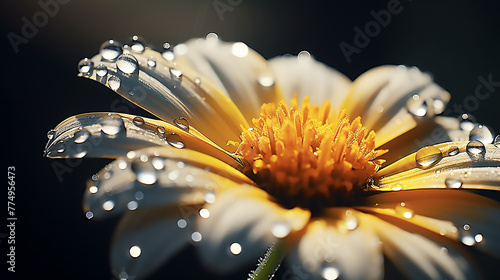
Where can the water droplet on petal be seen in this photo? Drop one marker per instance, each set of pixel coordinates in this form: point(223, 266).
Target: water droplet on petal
point(93, 189)
point(127, 63)
point(204, 213)
point(468, 240)
point(330, 272)
point(239, 49)
point(175, 140)
point(182, 123)
point(161, 129)
point(428, 156)
point(132, 205)
point(475, 147)
point(416, 106)
point(135, 251)
point(101, 70)
point(304, 56)
point(81, 136)
point(111, 125)
point(266, 81)
point(212, 36)
point(482, 133)
point(151, 62)
point(108, 205)
point(89, 215)
point(235, 248)
point(168, 55)
point(85, 66)
point(453, 183)
point(466, 122)
point(145, 172)
point(110, 50)
point(496, 142)
point(175, 74)
point(281, 229)
point(114, 82)
point(453, 151)
point(137, 44)
point(403, 211)
point(138, 121)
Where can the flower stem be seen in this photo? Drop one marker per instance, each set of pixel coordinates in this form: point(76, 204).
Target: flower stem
point(269, 263)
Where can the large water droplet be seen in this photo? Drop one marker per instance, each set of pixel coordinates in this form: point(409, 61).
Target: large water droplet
point(137, 44)
point(428, 156)
point(453, 183)
point(175, 140)
point(111, 125)
point(482, 133)
point(127, 63)
point(110, 50)
point(182, 123)
point(132, 205)
point(416, 106)
point(145, 172)
point(475, 147)
point(114, 82)
point(101, 70)
point(439, 106)
point(85, 66)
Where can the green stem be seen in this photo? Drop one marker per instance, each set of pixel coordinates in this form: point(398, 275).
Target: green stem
point(268, 264)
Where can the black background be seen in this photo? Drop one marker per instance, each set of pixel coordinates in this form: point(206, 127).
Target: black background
point(456, 41)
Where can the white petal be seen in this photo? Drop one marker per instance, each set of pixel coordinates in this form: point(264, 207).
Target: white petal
point(309, 77)
point(156, 177)
point(146, 238)
point(244, 216)
point(332, 248)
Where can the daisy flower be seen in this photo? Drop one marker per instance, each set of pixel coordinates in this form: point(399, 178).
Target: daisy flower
point(344, 178)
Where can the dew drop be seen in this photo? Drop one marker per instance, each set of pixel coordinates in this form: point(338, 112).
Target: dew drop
point(182, 123)
point(196, 236)
point(304, 56)
point(144, 172)
point(330, 273)
point(114, 82)
point(281, 229)
point(466, 122)
point(111, 125)
point(416, 106)
point(210, 197)
point(428, 156)
point(161, 129)
point(168, 55)
point(475, 148)
point(93, 189)
point(136, 44)
point(453, 151)
point(468, 240)
point(175, 141)
point(101, 70)
point(127, 63)
point(212, 36)
point(453, 183)
point(151, 62)
point(478, 238)
point(482, 133)
point(166, 46)
point(204, 213)
point(108, 205)
point(197, 81)
point(351, 222)
point(235, 248)
point(81, 136)
point(89, 215)
point(181, 223)
point(239, 49)
point(266, 81)
point(60, 147)
point(132, 205)
point(138, 121)
point(85, 66)
point(50, 134)
point(135, 251)
point(110, 50)
point(175, 74)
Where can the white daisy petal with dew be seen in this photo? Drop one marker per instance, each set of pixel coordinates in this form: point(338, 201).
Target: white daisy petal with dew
point(247, 153)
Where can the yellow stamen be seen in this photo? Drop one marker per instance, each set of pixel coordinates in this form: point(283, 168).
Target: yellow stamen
point(307, 156)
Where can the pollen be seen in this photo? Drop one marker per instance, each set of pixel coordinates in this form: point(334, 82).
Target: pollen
point(308, 156)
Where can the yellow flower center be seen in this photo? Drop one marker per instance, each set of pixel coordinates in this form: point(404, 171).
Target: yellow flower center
point(308, 157)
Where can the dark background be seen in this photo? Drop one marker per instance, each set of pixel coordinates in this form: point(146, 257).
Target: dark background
point(456, 41)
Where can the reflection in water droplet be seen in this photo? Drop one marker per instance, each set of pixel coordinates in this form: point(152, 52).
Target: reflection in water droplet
point(110, 50)
point(81, 136)
point(475, 147)
point(330, 273)
point(135, 251)
point(111, 125)
point(453, 183)
point(196, 236)
point(127, 63)
point(175, 141)
point(428, 156)
point(453, 151)
point(114, 82)
point(89, 215)
point(85, 66)
point(281, 229)
point(239, 49)
point(101, 70)
point(108, 205)
point(138, 121)
point(416, 106)
point(144, 172)
point(182, 123)
point(235, 248)
point(482, 133)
